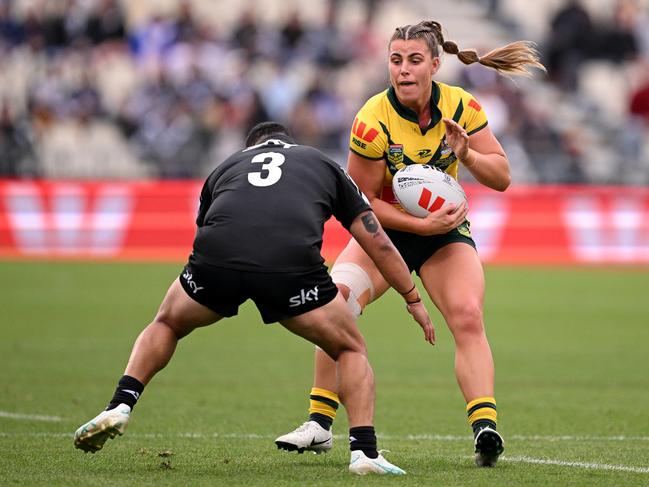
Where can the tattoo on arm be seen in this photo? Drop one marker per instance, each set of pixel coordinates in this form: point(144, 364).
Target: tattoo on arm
point(370, 223)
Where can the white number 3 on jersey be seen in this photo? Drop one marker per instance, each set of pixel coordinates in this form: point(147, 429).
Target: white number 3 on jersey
point(270, 171)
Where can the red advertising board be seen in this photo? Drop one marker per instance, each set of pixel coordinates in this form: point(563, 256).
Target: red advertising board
point(154, 220)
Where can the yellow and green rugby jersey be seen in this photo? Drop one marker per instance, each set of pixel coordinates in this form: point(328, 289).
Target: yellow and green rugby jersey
point(386, 129)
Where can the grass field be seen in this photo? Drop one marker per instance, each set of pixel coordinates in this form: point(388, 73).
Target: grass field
point(571, 350)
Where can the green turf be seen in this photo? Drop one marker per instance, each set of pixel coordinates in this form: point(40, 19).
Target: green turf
point(571, 350)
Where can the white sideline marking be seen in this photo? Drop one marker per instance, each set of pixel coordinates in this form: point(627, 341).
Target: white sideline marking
point(562, 463)
point(29, 417)
point(255, 436)
point(516, 437)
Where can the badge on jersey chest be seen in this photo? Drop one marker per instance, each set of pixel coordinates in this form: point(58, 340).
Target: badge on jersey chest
point(445, 149)
point(395, 154)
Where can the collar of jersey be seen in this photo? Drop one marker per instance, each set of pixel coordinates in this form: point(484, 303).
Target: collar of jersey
point(410, 115)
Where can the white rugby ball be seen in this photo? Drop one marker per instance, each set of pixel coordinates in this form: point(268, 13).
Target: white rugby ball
point(422, 189)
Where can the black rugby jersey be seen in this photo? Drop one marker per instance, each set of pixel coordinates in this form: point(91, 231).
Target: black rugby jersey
point(265, 207)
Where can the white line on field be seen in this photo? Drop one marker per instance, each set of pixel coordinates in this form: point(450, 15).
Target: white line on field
point(563, 463)
point(522, 459)
point(518, 438)
point(255, 436)
point(29, 417)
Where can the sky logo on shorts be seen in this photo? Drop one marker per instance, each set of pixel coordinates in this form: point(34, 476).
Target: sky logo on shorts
point(303, 297)
point(191, 283)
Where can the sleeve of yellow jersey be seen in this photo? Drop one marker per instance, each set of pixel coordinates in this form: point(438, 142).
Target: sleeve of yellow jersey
point(367, 138)
point(474, 116)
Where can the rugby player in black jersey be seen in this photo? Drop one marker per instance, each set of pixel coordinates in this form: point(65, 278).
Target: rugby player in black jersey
point(260, 227)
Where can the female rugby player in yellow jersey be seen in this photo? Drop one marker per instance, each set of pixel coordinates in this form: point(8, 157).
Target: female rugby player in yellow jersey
point(420, 121)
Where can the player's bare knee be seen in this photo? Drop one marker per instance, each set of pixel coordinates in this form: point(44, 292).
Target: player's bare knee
point(466, 320)
point(349, 340)
point(168, 320)
point(354, 341)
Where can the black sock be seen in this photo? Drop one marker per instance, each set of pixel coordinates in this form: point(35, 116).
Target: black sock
point(363, 438)
point(322, 420)
point(128, 392)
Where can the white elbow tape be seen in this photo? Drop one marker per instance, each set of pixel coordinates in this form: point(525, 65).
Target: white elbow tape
point(356, 279)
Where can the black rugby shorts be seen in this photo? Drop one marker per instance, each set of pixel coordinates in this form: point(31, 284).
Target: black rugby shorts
point(416, 249)
point(278, 296)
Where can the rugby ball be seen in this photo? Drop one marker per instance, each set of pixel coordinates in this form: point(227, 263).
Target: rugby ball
point(422, 189)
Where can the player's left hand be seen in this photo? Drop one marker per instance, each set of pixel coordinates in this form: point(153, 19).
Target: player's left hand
point(420, 314)
point(456, 138)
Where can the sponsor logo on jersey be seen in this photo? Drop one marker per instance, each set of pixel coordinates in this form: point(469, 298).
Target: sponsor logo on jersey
point(359, 130)
point(395, 154)
point(304, 297)
point(475, 105)
point(360, 144)
point(424, 153)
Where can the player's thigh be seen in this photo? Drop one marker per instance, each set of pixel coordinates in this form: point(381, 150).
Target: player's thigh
point(182, 313)
point(454, 279)
point(354, 255)
point(330, 326)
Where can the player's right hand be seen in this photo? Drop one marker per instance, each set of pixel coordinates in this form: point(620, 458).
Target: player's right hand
point(420, 314)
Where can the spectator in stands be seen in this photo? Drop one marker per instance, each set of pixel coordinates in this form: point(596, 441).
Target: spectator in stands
point(569, 44)
point(319, 116)
point(150, 42)
point(106, 23)
point(85, 100)
point(633, 137)
point(245, 34)
point(186, 28)
point(11, 32)
point(32, 27)
point(53, 24)
point(16, 150)
point(291, 35)
point(617, 42)
point(639, 103)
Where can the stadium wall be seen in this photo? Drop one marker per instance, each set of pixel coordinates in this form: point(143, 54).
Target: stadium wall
point(154, 220)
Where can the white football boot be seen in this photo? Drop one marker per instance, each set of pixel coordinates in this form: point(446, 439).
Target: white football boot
point(361, 464)
point(310, 436)
point(91, 436)
point(488, 447)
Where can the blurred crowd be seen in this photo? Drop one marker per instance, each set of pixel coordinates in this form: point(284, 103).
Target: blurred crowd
point(86, 95)
point(589, 120)
point(85, 92)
